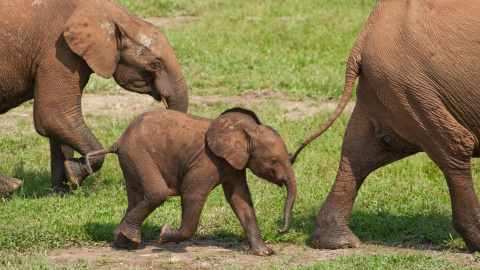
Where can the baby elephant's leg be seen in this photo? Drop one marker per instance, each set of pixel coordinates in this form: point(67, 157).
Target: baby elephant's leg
point(192, 205)
point(146, 190)
point(239, 198)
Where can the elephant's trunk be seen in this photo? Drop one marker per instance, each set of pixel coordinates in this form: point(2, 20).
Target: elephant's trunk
point(179, 100)
point(291, 185)
point(176, 96)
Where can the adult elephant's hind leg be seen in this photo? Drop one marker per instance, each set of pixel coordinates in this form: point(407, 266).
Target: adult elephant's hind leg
point(452, 154)
point(8, 185)
point(362, 153)
point(465, 206)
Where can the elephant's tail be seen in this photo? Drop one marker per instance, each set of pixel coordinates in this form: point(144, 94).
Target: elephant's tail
point(352, 72)
point(111, 149)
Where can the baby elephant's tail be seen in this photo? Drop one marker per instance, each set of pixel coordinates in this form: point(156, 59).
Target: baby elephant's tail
point(111, 149)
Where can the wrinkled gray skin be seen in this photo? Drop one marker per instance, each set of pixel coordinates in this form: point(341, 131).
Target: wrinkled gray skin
point(48, 49)
point(418, 90)
point(166, 153)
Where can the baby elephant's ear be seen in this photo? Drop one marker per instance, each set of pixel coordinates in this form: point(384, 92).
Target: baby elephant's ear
point(244, 111)
point(227, 138)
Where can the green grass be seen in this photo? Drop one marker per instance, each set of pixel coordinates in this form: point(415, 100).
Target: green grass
point(298, 47)
point(384, 261)
point(403, 204)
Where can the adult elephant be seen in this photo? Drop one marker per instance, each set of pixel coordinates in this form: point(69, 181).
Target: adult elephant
point(48, 49)
point(418, 90)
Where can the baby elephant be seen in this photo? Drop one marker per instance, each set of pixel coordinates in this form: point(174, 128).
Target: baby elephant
point(167, 153)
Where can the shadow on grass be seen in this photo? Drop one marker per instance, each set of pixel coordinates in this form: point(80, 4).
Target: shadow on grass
point(99, 232)
point(430, 229)
point(36, 183)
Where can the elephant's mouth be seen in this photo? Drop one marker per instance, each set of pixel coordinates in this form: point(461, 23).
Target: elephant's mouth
point(279, 183)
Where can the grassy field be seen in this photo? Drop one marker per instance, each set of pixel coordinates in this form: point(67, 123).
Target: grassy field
point(298, 47)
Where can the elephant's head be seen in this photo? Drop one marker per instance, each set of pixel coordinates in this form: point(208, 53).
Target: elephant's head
point(239, 137)
point(114, 42)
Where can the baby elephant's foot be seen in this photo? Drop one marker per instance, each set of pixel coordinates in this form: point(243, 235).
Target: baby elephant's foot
point(126, 238)
point(75, 171)
point(8, 185)
point(169, 234)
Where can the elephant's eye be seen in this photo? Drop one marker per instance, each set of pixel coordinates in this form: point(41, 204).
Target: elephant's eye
point(156, 65)
point(274, 162)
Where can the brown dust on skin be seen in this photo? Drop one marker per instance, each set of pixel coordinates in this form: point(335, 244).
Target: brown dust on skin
point(199, 253)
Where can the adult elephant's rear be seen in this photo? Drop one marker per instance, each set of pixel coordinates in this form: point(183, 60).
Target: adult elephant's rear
point(48, 49)
point(418, 90)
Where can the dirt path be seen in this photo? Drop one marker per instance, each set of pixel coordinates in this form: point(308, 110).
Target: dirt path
point(210, 254)
point(128, 104)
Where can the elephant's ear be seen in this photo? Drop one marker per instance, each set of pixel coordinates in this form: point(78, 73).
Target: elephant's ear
point(228, 136)
point(91, 33)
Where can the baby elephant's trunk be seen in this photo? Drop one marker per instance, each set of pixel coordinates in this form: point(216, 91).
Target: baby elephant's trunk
point(111, 149)
point(291, 185)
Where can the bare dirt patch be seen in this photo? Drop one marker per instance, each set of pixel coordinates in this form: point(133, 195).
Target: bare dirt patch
point(128, 104)
point(165, 23)
point(212, 254)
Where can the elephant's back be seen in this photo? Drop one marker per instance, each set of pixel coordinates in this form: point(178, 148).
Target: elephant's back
point(424, 38)
point(423, 52)
point(165, 130)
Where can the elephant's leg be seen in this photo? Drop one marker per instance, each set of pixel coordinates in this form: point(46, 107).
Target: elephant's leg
point(8, 185)
point(58, 154)
point(362, 153)
point(146, 190)
point(192, 205)
point(465, 206)
point(58, 116)
point(451, 148)
point(239, 198)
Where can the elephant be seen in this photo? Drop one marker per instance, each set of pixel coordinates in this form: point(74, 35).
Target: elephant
point(418, 77)
point(166, 153)
point(48, 51)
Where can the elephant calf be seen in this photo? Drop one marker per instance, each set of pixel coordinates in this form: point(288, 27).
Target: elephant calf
point(166, 153)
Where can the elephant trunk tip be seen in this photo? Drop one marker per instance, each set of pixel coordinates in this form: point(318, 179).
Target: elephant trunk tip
point(283, 230)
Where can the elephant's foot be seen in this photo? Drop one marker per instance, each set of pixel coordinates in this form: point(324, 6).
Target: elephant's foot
point(169, 234)
point(8, 185)
point(75, 171)
point(261, 249)
point(126, 238)
point(469, 229)
point(334, 236)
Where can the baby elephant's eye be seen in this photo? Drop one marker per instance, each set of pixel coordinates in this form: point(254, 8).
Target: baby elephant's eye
point(274, 161)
